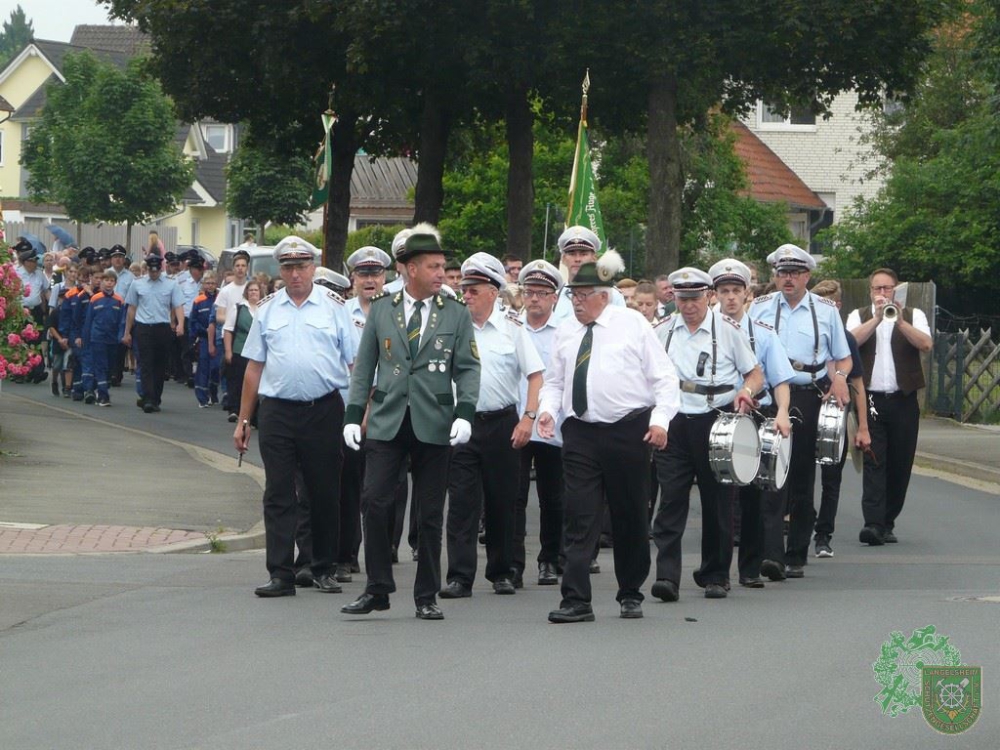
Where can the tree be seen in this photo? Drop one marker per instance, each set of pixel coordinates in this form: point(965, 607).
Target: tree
point(665, 65)
point(15, 35)
point(938, 215)
point(104, 147)
point(266, 186)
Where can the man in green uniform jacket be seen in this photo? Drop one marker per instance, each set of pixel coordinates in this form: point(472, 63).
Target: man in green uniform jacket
point(421, 342)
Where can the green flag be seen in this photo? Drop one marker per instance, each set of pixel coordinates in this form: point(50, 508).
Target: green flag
point(584, 208)
point(324, 165)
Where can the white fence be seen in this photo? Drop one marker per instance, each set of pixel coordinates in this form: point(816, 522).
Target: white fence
point(95, 235)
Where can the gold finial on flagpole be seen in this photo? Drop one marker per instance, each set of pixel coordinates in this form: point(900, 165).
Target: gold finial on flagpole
point(583, 104)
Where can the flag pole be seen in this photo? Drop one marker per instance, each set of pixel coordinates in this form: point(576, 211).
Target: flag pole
point(329, 120)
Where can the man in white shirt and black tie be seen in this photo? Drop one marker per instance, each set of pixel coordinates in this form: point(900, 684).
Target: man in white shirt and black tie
point(618, 390)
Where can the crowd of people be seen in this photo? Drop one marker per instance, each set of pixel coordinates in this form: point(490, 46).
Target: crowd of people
point(462, 382)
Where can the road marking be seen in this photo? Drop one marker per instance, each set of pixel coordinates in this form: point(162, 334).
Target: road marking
point(22, 526)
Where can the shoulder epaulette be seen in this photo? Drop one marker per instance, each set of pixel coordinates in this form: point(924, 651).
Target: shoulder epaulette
point(334, 296)
point(663, 320)
point(762, 324)
point(512, 316)
point(99, 295)
point(457, 300)
point(763, 298)
point(359, 323)
point(729, 320)
point(381, 295)
point(826, 301)
point(268, 298)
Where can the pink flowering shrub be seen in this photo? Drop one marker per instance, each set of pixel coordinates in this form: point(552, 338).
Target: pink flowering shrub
point(16, 329)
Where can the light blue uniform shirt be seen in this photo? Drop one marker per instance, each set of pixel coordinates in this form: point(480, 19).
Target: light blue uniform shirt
point(124, 283)
point(797, 334)
point(770, 354)
point(307, 351)
point(189, 288)
point(506, 357)
point(542, 339)
point(36, 283)
point(564, 305)
point(733, 358)
point(153, 300)
point(358, 318)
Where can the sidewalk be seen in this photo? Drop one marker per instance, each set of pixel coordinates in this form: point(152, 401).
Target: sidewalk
point(969, 451)
point(70, 484)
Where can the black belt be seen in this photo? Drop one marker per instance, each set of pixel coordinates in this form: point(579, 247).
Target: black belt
point(631, 416)
point(486, 416)
point(888, 394)
point(307, 404)
point(803, 367)
point(823, 384)
point(151, 324)
point(705, 390)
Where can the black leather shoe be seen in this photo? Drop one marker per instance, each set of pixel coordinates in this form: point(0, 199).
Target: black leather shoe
point(889, 538)
point(148, 407)
point(756, 582)
point(366, 604)
point(773, 570)
point(455, 590)
point(595, 567)
point(276, 587)
point(547, 575)
point(304, 578)
point(873, 536)
point(429, 612)
point(665, 591)
point(715, 591)
point(572, 613)
point(343, 574)
point(794, 571)
point(503, 586)
point(517, 578)
point(631, 609)
point(328, 584)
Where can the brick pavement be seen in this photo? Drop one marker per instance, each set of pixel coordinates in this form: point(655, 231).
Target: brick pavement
point(82, 538)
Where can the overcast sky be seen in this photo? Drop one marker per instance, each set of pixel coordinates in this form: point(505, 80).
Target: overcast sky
point(56, 19)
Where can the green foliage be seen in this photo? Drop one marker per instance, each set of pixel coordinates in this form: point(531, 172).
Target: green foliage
point(267, 186)
point(104, 147)
point(377, 235)
point(274, 233)
point(938, 216)
point(15, 35)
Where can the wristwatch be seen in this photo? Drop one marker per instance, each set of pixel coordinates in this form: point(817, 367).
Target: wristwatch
point(842, 374)
point(532, 415)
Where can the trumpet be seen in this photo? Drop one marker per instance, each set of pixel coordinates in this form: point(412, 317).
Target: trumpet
point(890, 311)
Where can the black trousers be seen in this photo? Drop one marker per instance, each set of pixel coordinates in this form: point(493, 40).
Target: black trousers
point(830, 478)
point(605, 460)
point(383, 459)
point(301, 436)
point(397, 520)
point(802, 476)
point(549, 483)
point(685, 458)
point(303, 526)
point(351, 480)
point(894, 429)
point(483, 477)
point(155, 341)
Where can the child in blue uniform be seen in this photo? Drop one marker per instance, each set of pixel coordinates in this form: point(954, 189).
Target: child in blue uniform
point(103, 328)
point(201, 328)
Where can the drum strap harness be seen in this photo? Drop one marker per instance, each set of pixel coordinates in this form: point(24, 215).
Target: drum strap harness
point(687, 386)
point(815, 363)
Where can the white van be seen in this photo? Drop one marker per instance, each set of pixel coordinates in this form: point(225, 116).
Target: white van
point(261, 260)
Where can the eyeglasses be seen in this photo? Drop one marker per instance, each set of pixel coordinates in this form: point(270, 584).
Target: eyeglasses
point(474, 291)
point(789, 272)
point(531, 294)
point(584, 296)
point(888, 288)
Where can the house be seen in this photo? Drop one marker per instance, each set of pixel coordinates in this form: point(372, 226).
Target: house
point(381, 193)
point(827, 154)
point(773, 181)
point(199, 218)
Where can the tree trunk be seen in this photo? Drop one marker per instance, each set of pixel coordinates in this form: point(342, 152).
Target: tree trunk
point(344, 147)
point(666, 182)
point(520, 189)
point(434, 128)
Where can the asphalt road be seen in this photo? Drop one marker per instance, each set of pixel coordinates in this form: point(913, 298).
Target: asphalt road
point(174, 651)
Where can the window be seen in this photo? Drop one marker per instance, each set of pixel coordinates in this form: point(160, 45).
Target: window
point(217, 137)
point(799, 118)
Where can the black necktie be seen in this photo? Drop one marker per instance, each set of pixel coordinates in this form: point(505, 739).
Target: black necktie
point(413, 329)
point(580, 372)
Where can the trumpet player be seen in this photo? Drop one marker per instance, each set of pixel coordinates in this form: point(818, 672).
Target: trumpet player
point(891, 338)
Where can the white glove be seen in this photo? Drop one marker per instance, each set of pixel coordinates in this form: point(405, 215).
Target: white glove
point(352, 436)
point(461, 431)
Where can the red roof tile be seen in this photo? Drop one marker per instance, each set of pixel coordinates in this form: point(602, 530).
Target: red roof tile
point(771, 180)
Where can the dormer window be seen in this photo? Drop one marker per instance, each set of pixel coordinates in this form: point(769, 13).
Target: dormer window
point(219, 137)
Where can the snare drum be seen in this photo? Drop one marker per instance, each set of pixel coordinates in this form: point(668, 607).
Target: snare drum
point(831, 433)
point(734, 449)
point(775, 457)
